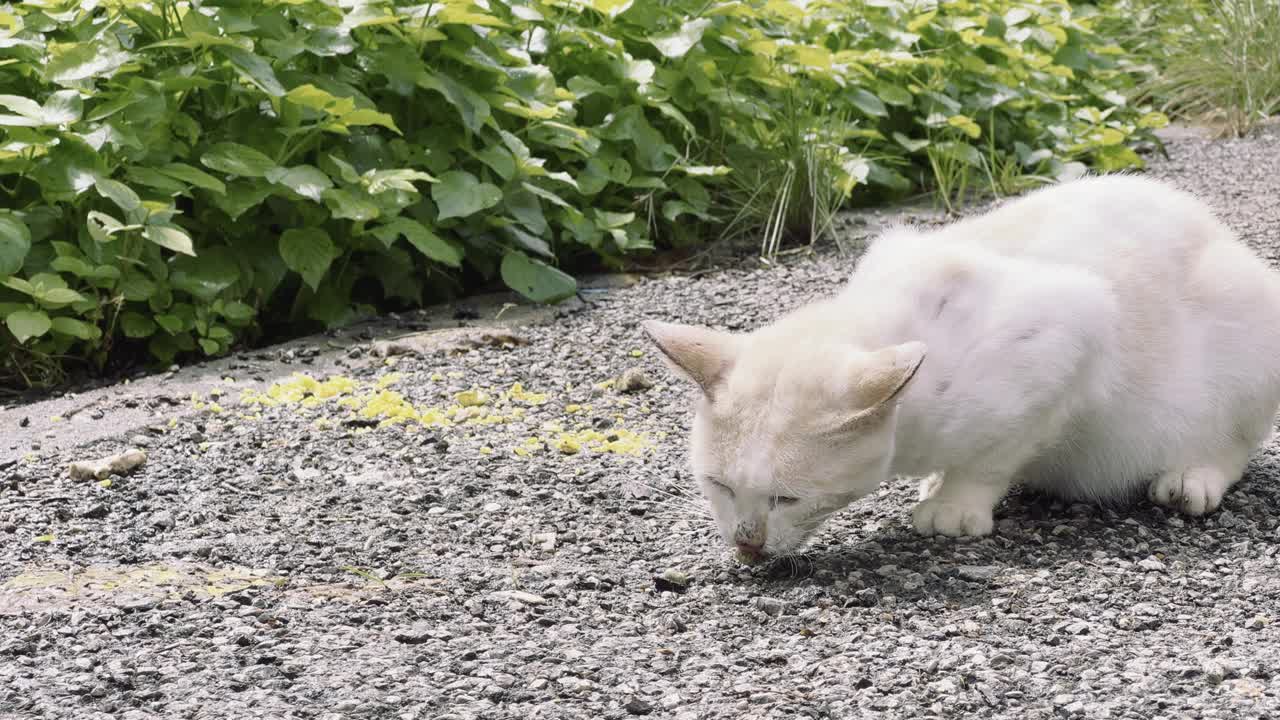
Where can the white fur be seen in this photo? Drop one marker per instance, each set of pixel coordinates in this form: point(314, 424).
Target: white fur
point(1092, 339)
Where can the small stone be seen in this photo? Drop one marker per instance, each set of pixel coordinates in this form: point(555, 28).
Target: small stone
point(414, 634)
point(546, 541)
point(770, 606)
point(306, 474)
point(671, 580)
point(979, 573)
point(945, 686)
point(1039, 666)
point(1214, 671)
point(575, 684)
point(137, 604)
point(492, 507)
point(1257, 622)
point(162, 520)
point(633, 380)
point(1151, 565)
point(636, 706)
point(520, 596)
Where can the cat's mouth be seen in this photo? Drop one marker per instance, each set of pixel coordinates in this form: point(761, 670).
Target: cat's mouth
point(751, 557)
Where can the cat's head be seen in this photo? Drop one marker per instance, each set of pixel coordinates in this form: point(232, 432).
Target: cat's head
point(788, 428)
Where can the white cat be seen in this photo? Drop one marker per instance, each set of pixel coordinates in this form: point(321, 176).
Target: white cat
point(1090, 339)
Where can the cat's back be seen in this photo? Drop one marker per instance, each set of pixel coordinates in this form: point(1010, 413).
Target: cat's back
point(1114, 225)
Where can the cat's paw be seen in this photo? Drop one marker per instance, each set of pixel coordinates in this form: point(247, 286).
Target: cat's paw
point(1194, 491)
point(932, 517)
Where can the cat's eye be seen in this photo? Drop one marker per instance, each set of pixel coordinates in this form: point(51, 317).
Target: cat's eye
point(721, 486)
point(784, 500)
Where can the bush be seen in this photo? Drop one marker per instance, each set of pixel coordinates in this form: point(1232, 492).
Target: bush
point(1211, 61)
point(185, 176)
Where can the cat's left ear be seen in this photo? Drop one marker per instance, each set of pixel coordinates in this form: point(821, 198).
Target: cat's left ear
point(700, 354)
point(879, 377)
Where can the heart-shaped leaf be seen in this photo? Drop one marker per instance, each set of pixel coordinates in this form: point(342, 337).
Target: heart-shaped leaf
point(237, 159)
point(27, 324)
point(308, 252)
point(15, 243)
point(535, 279)
point(459, 194)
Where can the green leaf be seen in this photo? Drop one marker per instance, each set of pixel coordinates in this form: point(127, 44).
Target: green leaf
point(525, 208)
point(171, 237)
point(27, 109)
point(238, 312)
point(171, 323)
point(119, 193)
point(210, 347)
point(193, 176)
point(473, 108)
point(425, 241)
point(76, 328)
point(308, 252)
point(369, 117)
point(535, 279)
point(253, 68)
point(72, 265)
point(203, 277)
point(911, 145)
point(344, 204)
point(306, 180)
point(137, 325)
point(237, 159)
point(459, 194)
point(676, 44)
point(101, 226)
point(962, 152)
point(15, 243)
point(71, 63)
point(136, 287)
point(62, 108)
point(867, 103)
point(59, 296)
point(27, 324)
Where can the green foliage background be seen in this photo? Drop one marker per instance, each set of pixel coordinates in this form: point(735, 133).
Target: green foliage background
point(180, 175)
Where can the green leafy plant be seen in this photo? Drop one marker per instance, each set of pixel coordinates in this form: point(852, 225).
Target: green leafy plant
point(178, 177)
point(1207, 61)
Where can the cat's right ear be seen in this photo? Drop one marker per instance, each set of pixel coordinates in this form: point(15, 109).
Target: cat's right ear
point(699, 354)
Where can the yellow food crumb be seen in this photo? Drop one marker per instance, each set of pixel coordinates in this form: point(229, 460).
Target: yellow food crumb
point(56, 418)
point(568, 445)
point(572, 408)
point(436, 377)
point(486, 450)
point(455, 375)
point(519, 394)
point(637, 353)
point(472, 397)
point(389, 379)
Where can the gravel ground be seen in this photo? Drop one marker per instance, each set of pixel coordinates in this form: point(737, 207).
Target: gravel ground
point(290, 561)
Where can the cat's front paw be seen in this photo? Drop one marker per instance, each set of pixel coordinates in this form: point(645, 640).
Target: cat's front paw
point(953, 519)
point(1194, 491)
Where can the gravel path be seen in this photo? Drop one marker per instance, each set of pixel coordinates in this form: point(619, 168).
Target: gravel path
point(542, 558)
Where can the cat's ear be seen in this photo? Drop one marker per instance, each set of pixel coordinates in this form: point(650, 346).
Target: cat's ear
point(879, 377)
point(699, 354)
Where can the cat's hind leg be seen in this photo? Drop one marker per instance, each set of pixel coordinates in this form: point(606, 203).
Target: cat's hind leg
point(929, 486)
point(1197, 489)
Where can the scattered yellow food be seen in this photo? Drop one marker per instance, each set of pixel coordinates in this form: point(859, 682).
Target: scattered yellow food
point(472, 397)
